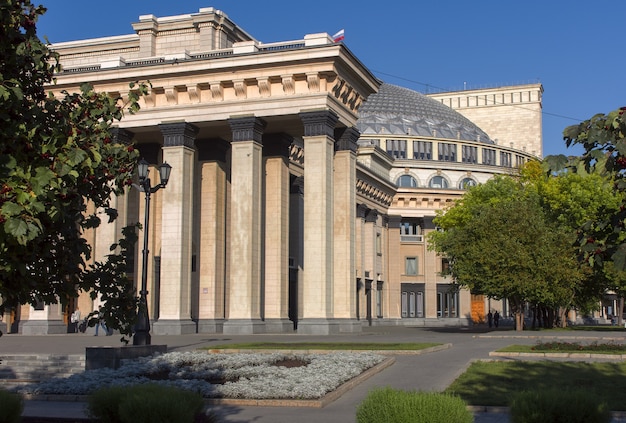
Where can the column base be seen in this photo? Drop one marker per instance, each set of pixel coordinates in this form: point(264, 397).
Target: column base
point(244, 327)
point(318, 327)
point(279, 326)
point(174, 327)
point(328, 326)
point(350, 325)
point(42, 327)
point(210, 325)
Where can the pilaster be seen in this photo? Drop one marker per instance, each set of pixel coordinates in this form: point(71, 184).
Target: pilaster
point(245, 284)
point(394, 260)
point(318, 223)
point(344, 236)
point(177, 230)
point(276, 241)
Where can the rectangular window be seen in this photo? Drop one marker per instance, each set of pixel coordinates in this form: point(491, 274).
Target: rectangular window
point(412, 300)
point(396, 149)
point(379, 299)
point(505, 159)
point(470, 154)
point(422, 150)
point(447, 301)
point(489, 156)
point(411, 230)
point(410, 266)
point(379, 245)
point(445, 266)
point(447, 152)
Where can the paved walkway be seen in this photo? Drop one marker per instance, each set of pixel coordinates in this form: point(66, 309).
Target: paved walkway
point(410, 372)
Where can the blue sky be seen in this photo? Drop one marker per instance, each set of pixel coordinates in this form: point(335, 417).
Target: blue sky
point(574, 48)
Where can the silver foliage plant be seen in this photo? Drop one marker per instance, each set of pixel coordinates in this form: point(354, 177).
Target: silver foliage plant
point(245, 375)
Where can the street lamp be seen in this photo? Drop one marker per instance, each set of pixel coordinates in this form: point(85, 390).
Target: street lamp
point(142, 329)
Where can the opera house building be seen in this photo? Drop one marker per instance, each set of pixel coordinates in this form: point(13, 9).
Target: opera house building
point(301, 187)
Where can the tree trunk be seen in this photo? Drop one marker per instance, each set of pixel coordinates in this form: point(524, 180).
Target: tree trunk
point(620, 311)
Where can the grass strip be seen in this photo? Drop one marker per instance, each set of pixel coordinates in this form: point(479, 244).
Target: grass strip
point(569, 347)
point(495, 383)
point(334, 346)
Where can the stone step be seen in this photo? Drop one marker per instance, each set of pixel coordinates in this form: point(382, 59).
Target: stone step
point(39, 366)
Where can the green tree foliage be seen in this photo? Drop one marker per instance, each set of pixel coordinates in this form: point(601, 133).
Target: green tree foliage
point(60, 165)
point(603, 138)
point(501, 243)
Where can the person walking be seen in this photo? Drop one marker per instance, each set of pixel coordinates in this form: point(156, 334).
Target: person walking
point(490, 318)
point(74, 319)
point(496, 319)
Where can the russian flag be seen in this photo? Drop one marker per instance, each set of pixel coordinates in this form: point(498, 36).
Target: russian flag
point(339, 36)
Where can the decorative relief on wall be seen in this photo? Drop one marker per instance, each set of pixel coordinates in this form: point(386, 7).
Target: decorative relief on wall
point(289, 85)
point(347, 94)
point(374, 193)
point(240, 89)
point(217, 91)
point(264, 87)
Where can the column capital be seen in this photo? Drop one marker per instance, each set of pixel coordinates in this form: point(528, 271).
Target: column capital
point(362, 210)
point(394, 221)
point(347, 139)
point(319, 122)
point(372, 216)
point(178, 134)
point(277, 145)
point(120, 135)
point(247, 128)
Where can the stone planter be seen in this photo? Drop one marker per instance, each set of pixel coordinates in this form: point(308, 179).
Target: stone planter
point(98, 357)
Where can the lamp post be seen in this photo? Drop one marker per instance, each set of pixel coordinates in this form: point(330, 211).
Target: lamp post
point(142, 329)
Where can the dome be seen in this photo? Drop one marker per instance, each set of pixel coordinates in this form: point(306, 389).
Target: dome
point(395, 110)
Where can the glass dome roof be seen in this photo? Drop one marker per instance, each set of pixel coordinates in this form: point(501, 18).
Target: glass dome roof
point(395, 110)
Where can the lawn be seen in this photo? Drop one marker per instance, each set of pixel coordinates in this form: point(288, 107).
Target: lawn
point(569, 347)
point(494, 383)
point(331, 346)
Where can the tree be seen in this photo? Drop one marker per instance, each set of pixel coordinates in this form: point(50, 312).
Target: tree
point(60, 165)
point(500, 243)
point(604, 140)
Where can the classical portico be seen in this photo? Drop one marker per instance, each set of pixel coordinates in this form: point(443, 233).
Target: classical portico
point(232, 248)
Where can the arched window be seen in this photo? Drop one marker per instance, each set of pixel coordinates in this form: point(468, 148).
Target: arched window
point(407, 181)
point(438, 182)
point(466, 183)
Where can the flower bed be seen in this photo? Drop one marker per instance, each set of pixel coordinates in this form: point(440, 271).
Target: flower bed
point(242, 375)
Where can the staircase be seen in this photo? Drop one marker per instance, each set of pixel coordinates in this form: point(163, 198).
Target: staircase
point(17, 369)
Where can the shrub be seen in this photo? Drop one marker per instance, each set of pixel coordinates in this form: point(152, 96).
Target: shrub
point(396, 406)
point(559, 406)
point(11, 407)
point(151, 403)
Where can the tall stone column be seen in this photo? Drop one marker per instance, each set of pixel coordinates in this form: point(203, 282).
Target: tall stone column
point(371, 270)
point(211, 237)
point(177, 230)
point(361, 212)
point(318, 223)
point(276, 241)
point(245, 284)
point(344, 236)
point(395, 269)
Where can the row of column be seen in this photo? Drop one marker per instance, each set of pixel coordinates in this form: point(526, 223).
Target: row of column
point(256, 209)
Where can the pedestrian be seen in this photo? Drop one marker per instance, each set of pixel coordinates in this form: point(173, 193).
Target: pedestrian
point(101, 324)
point(74, 319)
point(496, 318)
point(490, 318)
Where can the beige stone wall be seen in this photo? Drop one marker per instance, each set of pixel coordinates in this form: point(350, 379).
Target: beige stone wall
point(511, 115)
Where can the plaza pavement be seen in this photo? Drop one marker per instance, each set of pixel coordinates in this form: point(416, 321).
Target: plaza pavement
point(429, 372)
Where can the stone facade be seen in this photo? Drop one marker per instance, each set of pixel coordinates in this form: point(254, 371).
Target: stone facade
point(279, 215)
